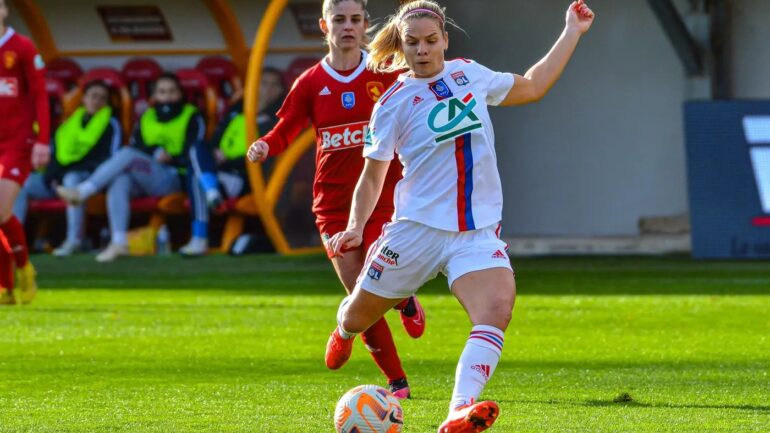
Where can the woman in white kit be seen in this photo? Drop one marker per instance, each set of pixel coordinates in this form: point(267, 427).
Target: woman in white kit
point(449, 202)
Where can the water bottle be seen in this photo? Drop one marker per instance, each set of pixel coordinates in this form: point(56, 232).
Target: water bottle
point(163, 241)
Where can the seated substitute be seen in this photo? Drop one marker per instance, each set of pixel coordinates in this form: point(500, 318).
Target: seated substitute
point(82, 142)
point(219, 165)
point(154, 163)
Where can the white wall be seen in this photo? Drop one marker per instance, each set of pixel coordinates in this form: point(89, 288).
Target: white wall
point(605, 147)
point(751, 48)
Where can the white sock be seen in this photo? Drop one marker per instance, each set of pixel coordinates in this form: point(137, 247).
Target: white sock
point(119, 238)
point(477, 364)
point(86, 189)
point(340, 311)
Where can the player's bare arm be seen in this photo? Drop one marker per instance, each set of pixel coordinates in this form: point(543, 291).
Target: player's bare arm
point(365, 197)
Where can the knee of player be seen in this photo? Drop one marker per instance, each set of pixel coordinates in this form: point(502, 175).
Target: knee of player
point(351, 323)
point(500, 310)
point(70, 180)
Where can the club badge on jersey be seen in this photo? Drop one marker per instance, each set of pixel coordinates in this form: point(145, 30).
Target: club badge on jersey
point(441, 90)
point(348, 100)
point(9, 59)
point(375, 89)
point(375, 271)
point(460, 78)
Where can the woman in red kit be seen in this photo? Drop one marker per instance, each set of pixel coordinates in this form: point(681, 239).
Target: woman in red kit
point(337, 96)
point(23, 101)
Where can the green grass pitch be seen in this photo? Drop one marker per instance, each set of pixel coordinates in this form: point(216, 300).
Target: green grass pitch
point(236, 345)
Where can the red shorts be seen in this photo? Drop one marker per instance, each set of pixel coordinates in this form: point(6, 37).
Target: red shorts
point(15, 163)
point(372, 231)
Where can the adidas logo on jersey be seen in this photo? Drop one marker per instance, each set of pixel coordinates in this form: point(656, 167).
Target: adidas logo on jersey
point(483, 369)
point(343, 136)
point(325, 92)
point(9, 86)
point(499, 255)
point(416, 100)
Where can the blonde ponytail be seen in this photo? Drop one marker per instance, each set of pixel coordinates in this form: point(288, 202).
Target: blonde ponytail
point(385, 51)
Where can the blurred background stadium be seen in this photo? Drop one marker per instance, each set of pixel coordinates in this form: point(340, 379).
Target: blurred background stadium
point(600, 166)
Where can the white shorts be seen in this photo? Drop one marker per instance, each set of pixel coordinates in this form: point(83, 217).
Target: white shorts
point(409, 254)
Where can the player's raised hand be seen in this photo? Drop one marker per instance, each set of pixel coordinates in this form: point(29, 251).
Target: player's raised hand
point(41, 154)
point(580, 16)
point(347, 239)
point(258, 151)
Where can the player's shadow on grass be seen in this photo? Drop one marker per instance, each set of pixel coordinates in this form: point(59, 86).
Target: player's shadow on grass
point(624, 402)
point(634, 403)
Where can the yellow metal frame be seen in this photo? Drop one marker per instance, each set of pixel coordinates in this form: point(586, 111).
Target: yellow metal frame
point(231, 32)
point(267, 195)
point(41, 33)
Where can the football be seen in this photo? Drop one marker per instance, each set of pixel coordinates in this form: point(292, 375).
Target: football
point(368, 409)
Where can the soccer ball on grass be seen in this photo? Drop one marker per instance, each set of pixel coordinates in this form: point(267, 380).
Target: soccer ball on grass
point(368, 409)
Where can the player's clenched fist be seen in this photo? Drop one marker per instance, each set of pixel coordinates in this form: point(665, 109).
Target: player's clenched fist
point(258, 151)
point(347, 240)
point(580, 16)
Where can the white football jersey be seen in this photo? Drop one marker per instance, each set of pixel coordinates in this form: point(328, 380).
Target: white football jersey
point(441, 130)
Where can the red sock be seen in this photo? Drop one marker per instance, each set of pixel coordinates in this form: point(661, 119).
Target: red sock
point(379, 341)
point(401, 305)
point(14, 232)
point(6, 264)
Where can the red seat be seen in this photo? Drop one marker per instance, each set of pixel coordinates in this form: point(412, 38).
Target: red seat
point(200, 93)
point(145, 204)
point(65, 71)
point(297, 67)
point(223, 76)
point(122, 102)
point(140, 75)
point(111, 76)
point(55, 90)
point(47, 206)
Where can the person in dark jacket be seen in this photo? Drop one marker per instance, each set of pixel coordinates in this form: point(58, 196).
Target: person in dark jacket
point(218, 165)
point(154, 164)
point(86, 139)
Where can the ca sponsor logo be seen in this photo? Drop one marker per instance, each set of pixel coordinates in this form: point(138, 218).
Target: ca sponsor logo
point(343, 137)
point(757, 132)
point(453, 118)
point(368, 141)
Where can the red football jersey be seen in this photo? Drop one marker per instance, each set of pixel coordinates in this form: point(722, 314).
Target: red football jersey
point(339, 107)
point(23, 97)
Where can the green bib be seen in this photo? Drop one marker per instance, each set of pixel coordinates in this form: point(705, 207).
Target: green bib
point(74, 141)
point(168, 135)
point(233, 143)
